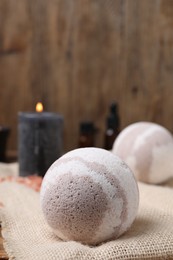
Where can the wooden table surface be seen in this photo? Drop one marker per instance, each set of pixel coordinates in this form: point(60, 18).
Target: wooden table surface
point(3, 255)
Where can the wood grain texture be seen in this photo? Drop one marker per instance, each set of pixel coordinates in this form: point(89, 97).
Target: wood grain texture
point(77, 56)
point(3, 254)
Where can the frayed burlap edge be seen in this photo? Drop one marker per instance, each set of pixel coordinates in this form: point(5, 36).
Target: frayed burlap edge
point(150, 237)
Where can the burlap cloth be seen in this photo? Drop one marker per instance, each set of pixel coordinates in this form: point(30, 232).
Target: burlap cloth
point(27, 236)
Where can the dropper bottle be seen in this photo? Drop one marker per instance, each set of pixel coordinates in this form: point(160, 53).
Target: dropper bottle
point(112, 126)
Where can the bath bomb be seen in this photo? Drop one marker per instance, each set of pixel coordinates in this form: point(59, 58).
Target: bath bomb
point(89, 195)
point(147, 148)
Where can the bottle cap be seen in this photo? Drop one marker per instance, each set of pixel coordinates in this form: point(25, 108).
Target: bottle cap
point(113, 120)
point(87, 127)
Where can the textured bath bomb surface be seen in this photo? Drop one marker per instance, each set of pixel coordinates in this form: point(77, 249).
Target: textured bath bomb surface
point(89, 195)
point(147, 148)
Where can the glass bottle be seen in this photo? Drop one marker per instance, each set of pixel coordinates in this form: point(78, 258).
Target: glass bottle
point(112, 126)
point(86, 134)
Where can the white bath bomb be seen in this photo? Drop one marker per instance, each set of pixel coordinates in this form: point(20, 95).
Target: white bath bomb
point(147, 148)
point(89, 195)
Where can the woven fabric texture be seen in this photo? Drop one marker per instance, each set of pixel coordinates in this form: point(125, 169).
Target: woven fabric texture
point(10, 169)
point(28, 237)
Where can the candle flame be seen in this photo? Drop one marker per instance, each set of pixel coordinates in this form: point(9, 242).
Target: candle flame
point(39, 107)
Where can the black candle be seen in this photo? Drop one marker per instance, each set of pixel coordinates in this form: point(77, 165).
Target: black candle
point(40, 141)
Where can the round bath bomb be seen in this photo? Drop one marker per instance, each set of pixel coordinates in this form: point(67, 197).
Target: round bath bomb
point(147, 148)
point(89, 195)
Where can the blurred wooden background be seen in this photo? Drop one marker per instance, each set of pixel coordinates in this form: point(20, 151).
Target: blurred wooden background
point(76, 56)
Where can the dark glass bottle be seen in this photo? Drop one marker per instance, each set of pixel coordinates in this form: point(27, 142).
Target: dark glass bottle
point(86, 134)
point(4, 134)
point(112, 126)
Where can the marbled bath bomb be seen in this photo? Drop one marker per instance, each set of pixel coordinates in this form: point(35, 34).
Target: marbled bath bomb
point(147, 148)
point(89, 195)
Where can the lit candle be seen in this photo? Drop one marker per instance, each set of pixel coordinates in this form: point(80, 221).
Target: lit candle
point(40, 140)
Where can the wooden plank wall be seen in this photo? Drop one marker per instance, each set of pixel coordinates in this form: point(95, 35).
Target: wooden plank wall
point(76, 56)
